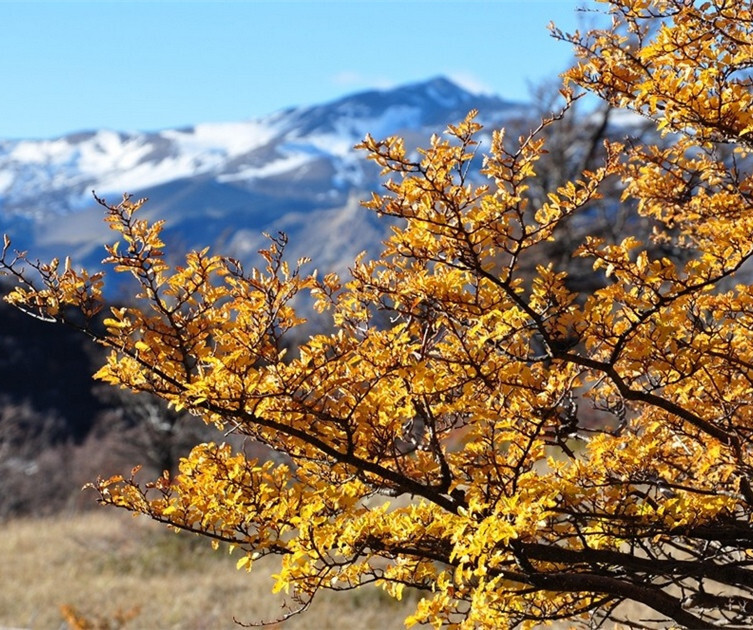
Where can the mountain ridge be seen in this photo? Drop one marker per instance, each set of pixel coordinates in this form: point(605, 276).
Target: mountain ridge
point(226, 183)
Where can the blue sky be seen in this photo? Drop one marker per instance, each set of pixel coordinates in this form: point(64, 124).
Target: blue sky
point(69, 66)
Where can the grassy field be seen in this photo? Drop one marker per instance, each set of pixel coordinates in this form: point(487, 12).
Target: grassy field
point(104, 561)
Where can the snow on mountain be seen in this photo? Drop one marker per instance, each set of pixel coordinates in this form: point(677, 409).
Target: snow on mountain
point(223, 184)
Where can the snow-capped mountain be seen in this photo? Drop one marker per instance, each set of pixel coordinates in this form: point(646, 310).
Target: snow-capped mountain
point(223, 184)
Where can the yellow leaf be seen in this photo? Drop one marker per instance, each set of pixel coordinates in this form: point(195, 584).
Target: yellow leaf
point(245, 561)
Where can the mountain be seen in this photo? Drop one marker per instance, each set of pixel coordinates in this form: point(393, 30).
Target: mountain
point(223, 184)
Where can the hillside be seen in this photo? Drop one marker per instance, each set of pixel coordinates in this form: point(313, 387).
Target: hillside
point(223, 184)
point(216, 184)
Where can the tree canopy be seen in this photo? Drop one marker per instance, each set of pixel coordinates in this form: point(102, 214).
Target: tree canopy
point(513, 449)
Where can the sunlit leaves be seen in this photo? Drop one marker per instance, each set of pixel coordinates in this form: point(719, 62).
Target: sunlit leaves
point(472, 427)
point(686, 64)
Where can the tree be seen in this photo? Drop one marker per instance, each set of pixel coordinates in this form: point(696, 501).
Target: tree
point(513, 450)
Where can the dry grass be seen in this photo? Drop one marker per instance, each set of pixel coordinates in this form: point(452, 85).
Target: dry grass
point(104, 561)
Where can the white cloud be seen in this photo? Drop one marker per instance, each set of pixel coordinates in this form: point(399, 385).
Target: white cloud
point(351, 78)
point(346, 77)
point(470, 82)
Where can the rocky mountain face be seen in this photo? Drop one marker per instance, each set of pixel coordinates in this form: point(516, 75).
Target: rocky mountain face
point(224, 184)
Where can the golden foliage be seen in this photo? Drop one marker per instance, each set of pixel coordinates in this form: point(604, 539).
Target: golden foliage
point(77, 621)
point(469, 405)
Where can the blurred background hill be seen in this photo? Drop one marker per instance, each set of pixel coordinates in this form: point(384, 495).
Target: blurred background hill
point(220, 185)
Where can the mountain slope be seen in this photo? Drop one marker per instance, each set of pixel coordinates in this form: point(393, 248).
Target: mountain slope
point(222, 184)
